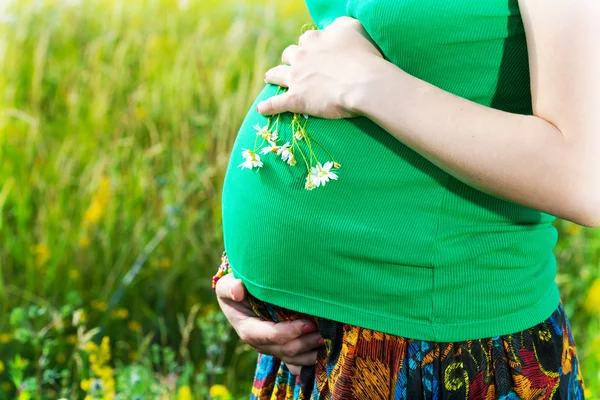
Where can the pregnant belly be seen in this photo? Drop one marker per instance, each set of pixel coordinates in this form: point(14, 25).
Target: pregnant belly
point(382, 209)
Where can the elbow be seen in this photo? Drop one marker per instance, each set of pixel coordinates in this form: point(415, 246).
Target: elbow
point(589, 206)
point(584, 188)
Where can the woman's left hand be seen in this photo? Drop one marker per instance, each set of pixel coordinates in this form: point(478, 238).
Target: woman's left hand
point(323, 71)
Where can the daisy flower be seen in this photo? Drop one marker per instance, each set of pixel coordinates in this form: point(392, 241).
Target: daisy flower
point(286, 154)
point(273, 148)
point(266, 133)
point(321, 174)
point(252, 160)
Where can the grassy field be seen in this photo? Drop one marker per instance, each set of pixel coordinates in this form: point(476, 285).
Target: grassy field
point(116, 120)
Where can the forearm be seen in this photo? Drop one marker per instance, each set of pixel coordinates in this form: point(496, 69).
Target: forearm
point(520, 158)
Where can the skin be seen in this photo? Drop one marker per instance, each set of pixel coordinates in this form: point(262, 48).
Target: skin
point(547, 161)
point(294, 342)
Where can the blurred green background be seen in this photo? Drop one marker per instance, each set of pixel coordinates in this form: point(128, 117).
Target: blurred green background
point(116, 121)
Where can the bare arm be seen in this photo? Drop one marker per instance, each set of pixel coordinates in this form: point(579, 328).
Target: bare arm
point(549, 161)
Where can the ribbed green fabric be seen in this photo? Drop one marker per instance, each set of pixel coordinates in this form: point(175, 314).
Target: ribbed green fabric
point(397, 244)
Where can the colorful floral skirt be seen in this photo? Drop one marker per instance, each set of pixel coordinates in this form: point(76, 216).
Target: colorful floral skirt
point(356, 363)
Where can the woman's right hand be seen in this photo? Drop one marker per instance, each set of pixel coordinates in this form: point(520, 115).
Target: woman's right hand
point(293, 342)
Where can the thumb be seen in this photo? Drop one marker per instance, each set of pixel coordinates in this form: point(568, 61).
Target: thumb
point(238, 290)
point(230, 288)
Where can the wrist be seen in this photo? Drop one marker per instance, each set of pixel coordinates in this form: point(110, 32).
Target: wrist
point(375, 80)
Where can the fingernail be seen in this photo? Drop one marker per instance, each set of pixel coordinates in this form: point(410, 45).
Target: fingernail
point(321, 341)
point(308, 328)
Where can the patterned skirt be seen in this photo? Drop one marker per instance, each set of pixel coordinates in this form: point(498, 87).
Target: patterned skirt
point(356, 363)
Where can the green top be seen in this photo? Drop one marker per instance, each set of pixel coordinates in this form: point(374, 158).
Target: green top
point(397, 244)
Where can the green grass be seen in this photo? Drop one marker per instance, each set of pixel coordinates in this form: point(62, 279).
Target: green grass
point(116, 121)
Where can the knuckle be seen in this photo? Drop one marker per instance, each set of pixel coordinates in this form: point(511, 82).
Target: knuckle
point(308, 35)
point(273, 338)
point(268, 105)
point(290, 350)
point(301, 53)
point(279, 339)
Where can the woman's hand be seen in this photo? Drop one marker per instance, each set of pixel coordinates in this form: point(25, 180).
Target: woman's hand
point(322, 71)
point(293, 342)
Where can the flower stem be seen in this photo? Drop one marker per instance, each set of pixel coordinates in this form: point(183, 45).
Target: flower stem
point(323, 147)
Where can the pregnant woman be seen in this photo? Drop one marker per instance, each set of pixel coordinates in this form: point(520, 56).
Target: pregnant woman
point(460, 129)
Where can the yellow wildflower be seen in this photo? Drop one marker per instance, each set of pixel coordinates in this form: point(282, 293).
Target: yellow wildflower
point(219, 392)
point(94, 213)
point(41, 254)
point(100, 199)
point(587, 393)
point(84, 242)
point(5, 338)
point(134, 326)
point(99, 305)
point(91, 347)
point(105, 346)
point(99, 358)
point(2, 367)
point(86, 385)
point(592, 301)
point(184, 393)
point(5, 386)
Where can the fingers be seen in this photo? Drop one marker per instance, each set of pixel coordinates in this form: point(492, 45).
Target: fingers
point(264, 335)
point(305, 359)
point(287, 101)
point(296, 351)
point(279, 75)
point(289, 54)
